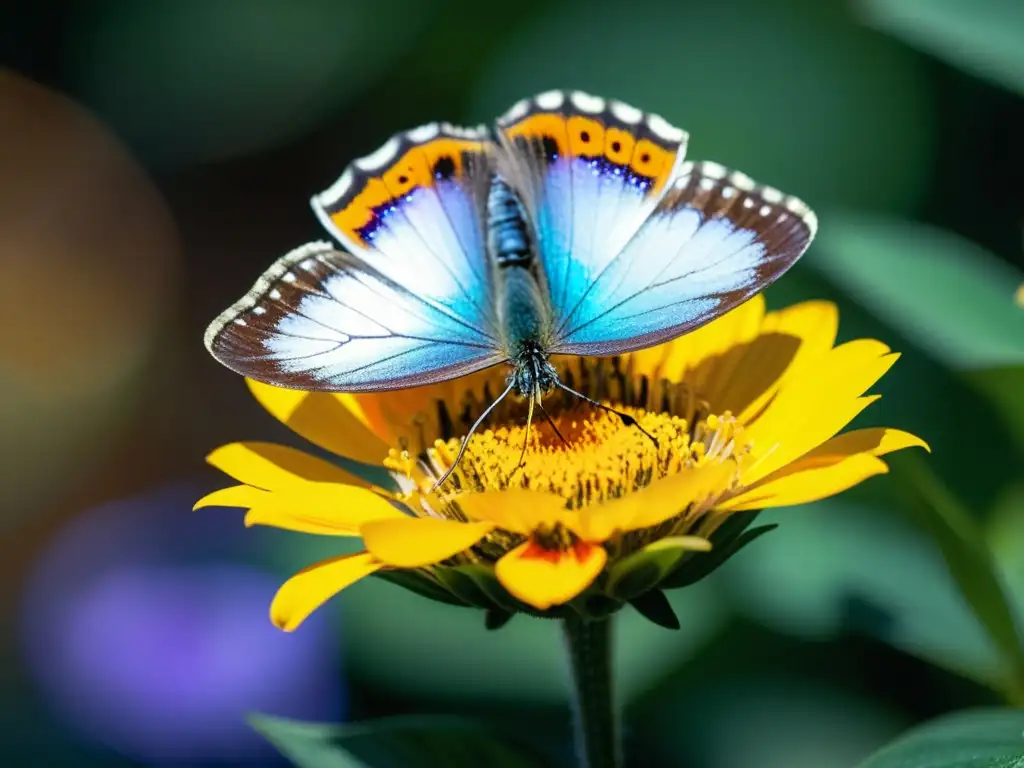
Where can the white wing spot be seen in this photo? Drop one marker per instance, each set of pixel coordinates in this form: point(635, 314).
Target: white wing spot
point(765, 210)
point(240, 321)
point(550, 100)
point(275, 294)
point(707, 184)
point(625, 112)
point(381, 157)
point(258, 310)
point(337, 190)
point(728, 192)
point(748, 203)
point(771, 195)
point(742, 181)
point(664, 129)
point(288, 277)
point(713, 170)
point(586, 103)
point(308, 265)
point(424, 133)
point(518, 110)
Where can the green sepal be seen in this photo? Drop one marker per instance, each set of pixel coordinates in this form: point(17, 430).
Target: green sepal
point(655, 607)
point(498, 597)
point(422, 584)
point(496, 619)
point(463, 585)
point(645, 569)
point(730, 538)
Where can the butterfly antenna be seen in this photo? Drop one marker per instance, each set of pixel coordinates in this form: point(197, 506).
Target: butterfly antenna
point(529, 420)
point(628, 420)
point(551, 422)
point(465, 440)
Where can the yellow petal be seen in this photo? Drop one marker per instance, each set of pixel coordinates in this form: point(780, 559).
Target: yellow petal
point(270, 466)
point(322, 508)
point(658, 502)
point(414, 541)
point(307, 590)
point(877, 441)
point(543, 578)
point(324, 419)
point(691, 356)
point(816, 405)
point(809, 484)
point(410, 416)
point(773, 452)
point(235, 496)
point(518, 511)
point(774, 356)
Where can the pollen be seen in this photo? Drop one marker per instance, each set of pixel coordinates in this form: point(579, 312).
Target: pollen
point(585, 454)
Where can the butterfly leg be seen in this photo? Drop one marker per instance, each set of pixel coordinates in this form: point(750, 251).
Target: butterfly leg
point(552, 422)
point(534, 398)
point(628, 420)
point(465, 440)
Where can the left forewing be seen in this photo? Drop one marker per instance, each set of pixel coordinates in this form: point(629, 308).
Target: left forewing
point(322, 319)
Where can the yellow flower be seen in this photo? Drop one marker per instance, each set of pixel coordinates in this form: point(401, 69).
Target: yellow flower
point(745, 413)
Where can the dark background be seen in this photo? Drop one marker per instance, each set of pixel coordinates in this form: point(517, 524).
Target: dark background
point(156, 155)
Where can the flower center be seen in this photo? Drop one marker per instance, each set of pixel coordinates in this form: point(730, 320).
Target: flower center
point(584, 454)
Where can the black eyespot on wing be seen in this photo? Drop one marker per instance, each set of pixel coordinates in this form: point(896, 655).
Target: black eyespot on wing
point(444, 168)
point(550, 147)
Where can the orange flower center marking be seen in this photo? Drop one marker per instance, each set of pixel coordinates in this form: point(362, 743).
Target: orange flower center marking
point(600, 458)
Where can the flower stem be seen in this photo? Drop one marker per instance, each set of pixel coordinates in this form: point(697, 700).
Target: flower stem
point(595, 719)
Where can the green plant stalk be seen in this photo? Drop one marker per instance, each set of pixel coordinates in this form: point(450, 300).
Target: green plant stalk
point(595, 717)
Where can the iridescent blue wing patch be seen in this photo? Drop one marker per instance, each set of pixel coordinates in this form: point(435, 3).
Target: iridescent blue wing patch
point(414, 211)
point(590, 171)
point(322, 319)
point(407, 299)
point(714, 240)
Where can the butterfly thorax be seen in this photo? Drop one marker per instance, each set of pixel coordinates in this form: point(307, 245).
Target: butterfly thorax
point(508, 233)
point(522, 308)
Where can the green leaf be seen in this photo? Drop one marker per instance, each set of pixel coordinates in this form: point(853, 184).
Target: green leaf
point(1003, 387)
point(983, 38)
point(984, 738)
point(655, 607)
point(420, 584)
point(948, 295)
point(400, 742)
point(970, 562)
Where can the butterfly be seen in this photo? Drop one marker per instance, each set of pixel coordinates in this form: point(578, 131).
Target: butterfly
point(574, 226)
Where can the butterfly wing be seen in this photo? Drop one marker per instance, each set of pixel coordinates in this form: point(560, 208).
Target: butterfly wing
point(321, 319)
point(406, 300)
point(713, 241)
point(590, 171)
point(638, 246)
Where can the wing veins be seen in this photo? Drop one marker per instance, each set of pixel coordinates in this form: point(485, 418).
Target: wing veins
point(651, 285)
point(354, 268)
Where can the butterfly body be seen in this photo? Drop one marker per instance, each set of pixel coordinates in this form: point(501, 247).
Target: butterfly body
point(522, 310)
point(572, 226)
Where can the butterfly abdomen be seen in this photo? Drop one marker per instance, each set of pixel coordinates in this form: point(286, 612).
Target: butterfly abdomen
point(507, 231)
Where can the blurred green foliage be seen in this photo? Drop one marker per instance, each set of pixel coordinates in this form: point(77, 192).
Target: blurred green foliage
point(817, 643)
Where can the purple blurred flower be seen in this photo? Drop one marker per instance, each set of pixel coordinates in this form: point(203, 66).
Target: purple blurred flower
point(140, 642)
